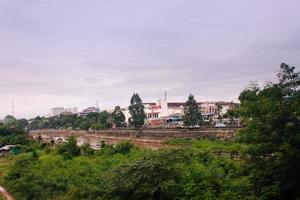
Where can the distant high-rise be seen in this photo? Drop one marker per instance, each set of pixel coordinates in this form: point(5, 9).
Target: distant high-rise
point(61, 110)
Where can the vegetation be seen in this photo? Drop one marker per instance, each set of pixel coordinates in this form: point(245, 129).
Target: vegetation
point(125, 172)
point(93, 121)
point(192, 114)
point(210, 146)
point(137, 112)
point(12, 131)
point(272, 131)
point(118, 117)
point(265, 164)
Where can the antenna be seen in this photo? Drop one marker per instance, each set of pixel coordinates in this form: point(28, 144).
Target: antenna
point(97, 106)
point(165, 95)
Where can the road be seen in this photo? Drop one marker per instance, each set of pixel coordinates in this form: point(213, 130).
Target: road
point(5, 194)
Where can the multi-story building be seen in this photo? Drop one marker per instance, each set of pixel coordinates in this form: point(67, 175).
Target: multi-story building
point(63, 111)
point(88, 110)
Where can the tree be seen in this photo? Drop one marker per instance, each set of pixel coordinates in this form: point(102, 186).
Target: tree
point(123, 147)
point(10, 120)
point(289, 80)
point(150, 177)
point(219, 110)
point(231, 114)
point(105, 119)
point(272, 132)
point(69, 149)
point(118, 117)
point(87, 150)
point(192, 114)
point(136, 110)
point(23, 123)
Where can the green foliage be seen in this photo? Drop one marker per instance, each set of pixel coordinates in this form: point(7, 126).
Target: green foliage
point(232, 114)
point(209, 146)
point(137, 112)
point(123, 147)
point(12, 133)
point(289, 80)
point(272, 132)
point(149, 177)
point(219, 110)
point(94, 121)
point(137, 174)
point(118, 117)
point(192, 114)
point(87, 150)
point(9, 120)
point(69, 149)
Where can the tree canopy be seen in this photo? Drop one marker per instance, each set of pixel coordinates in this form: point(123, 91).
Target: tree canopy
point(118, 117)
point(192, 114)
point(271, 117)
point(136, 110)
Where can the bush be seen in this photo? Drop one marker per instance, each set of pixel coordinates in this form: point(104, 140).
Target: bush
point(87, 150)
point(69, 149)
point(123, 147)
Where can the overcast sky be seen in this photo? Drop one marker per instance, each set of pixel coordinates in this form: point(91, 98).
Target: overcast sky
point(74, 52)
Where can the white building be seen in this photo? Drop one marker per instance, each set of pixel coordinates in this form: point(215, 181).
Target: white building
point(88, 110)
point(61, 110)
point(162, 109)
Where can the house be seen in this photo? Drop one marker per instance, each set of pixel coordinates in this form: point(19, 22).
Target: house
point(9, 149)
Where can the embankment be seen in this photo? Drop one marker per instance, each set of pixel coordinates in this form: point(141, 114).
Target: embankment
point(139, 136)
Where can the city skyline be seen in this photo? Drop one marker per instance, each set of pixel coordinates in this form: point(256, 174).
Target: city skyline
point(73, 53)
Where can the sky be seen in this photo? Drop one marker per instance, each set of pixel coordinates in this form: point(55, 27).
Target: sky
point(72, 53)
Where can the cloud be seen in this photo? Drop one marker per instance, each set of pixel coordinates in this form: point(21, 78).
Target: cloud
point(72, 53)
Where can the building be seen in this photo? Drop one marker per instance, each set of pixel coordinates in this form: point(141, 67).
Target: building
point(63, 111)
point(162, 112)
point(9, 149)
point(57, 111)
point(88, 110)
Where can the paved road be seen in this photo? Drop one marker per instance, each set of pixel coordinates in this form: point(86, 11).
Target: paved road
point(5, 194)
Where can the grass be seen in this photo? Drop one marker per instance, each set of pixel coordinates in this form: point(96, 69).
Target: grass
point(5, 163)
point(208, 145)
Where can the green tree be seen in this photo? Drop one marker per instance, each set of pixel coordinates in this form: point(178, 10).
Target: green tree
point(289, 80)
point(272, 132)
point(192, 114)
point(136, 110)
point(105, 119)
point(69, 149)
point(219, 111)
point(9, 120)
point(87, 150)
point(231, 114)
point(150, 177)
point(123, 147)
point(118, 117)
point(23, 123)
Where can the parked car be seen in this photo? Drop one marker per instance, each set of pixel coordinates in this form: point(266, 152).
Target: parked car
point(220, 125)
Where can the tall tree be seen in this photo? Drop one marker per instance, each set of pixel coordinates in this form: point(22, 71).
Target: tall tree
point(118, 117)
point(219, 110)
point(136, 110)
point(289, 80)
point(272, 132)
point(192, 114)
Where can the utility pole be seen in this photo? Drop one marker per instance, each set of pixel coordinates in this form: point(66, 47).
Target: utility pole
point(97, 106)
